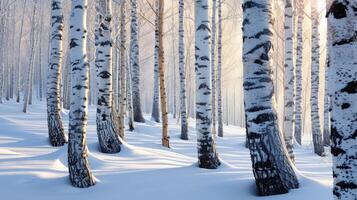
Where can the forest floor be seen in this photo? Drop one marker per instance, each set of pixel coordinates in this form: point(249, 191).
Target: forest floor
point(31, 169)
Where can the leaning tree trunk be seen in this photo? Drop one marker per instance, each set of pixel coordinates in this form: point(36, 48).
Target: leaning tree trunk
point(298, 73)
point(272, 167)
point(160, 50)
point(134, 62)
point(78, 165)
point(342, 18)
point(207, 154)
point(213, 66)
point(289, 79)
point(54, 119)
point(107, 126)
point(123, 75)
point(183, 99)
point(315, 65)
point(219, 71)
point(32, 59)
point(155, 113)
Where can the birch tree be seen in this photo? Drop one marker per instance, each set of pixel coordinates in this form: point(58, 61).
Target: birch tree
point(79, 172)
point(289, 78)
point(134, 62)
point(122, 69)
point(19, 52)
point(160, 49)
point(219, 71)
point(298, 73)
point(315, 66)
point(28, 92)
point(213, 66)
point(207, 154)
point(54, 118)
point(342, 20)
point(107, 127)
point(182, 71)
point(272, 168)
point(129, 96)
point(155, 113)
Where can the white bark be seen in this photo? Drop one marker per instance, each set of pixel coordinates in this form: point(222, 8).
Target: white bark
point(342, 20)
point(155, 113)
point(182, 70)
point(213, 65)
point(272, 168)
point(289, 79)
point(78, 165)
point(207, 155)
point(219, 71)
point(54, 119)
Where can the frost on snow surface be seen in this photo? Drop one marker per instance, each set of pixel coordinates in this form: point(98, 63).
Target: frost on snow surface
point(31, 169)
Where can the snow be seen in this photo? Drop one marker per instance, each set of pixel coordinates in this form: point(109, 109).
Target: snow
point(31, 169)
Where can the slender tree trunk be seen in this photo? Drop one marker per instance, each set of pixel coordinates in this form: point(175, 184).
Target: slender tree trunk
point(289, 79)
point(129, 96)
point(19, 52)
point(32, 59)
point(342, 18)
point(163, 98)
point(107, 127)
point(78, 165)
point(315, 66)
point(54, 119)
point(207, 154)
point(298, 73)
point(123, 74)
point(213, 66)
point(272, 167)
point(155, 114)
point(182, 69)
point(134, 61)
point(219, 71)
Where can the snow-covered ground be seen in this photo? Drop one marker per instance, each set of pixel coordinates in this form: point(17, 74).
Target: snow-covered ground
point(31, 169)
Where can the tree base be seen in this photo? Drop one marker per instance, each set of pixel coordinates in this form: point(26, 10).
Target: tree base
point(166, 142)
point(209, 162)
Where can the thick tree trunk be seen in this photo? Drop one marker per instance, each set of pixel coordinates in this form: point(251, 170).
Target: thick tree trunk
point(182, 69)
point(298, 74)
point(129, 96)
point(78, 165)
point(134, 62)
point(207, 154)
point(342, 18)
point(54, 119)
point(107, 127)
point(315, 71)
point(289, 79)
point(219, 71)
point(272, 167)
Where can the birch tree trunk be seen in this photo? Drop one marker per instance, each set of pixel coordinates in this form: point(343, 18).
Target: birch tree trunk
point(289, 79)
point(107, 127)
point(18, 85)
point(342, 20)
point(213, 66)
point(207, 155)
point(272, 167)
point(134, 61)
point(78, 165)
point(54, 118)
point(155, 114)
point(123, 75)
point(315, 70)
point(298, 73)
point(182, 69)
point(129, 96)
point(219, 71)
point(163, 98)
point(32, 59)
